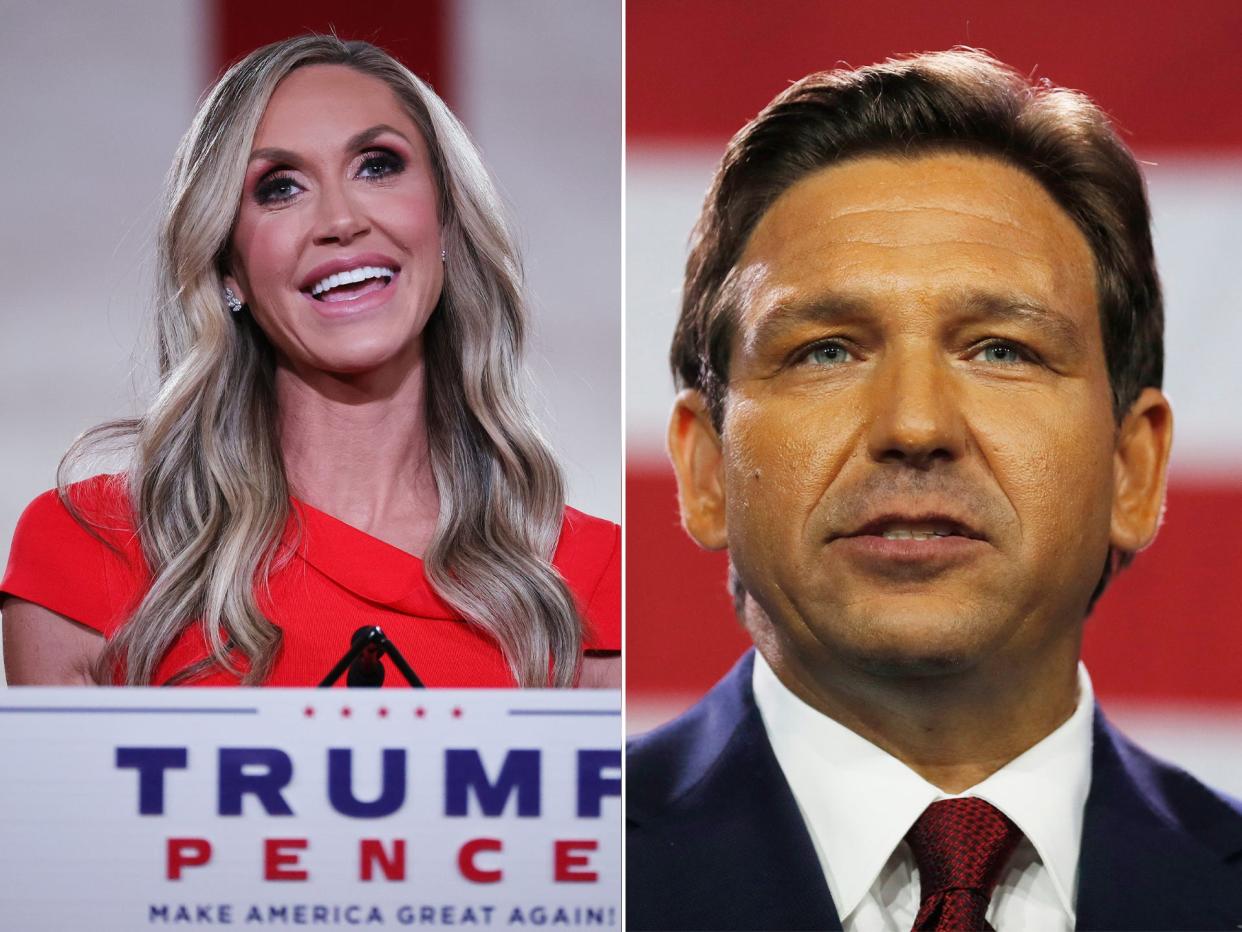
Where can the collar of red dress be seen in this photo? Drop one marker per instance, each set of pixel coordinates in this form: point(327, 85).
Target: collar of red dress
point(367, 566)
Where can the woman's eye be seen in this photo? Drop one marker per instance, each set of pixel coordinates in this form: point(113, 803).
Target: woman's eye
point(380, 165)
point(1001, 353)
point(275, 189)
point(828, 354)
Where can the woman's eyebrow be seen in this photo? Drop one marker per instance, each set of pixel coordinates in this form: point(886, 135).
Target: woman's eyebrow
point(356, 141)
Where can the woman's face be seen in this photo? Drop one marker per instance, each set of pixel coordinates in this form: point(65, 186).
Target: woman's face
point(337, 244)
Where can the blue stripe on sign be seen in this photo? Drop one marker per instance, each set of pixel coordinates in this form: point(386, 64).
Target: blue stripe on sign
point(611, 712)
point(126, 710)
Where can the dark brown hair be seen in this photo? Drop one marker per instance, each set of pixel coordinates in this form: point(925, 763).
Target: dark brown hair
point(959, 100)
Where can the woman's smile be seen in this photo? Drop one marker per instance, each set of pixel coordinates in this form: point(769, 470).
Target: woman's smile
point(345, 287)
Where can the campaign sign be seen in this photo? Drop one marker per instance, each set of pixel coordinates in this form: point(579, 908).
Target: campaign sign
point(277, 808)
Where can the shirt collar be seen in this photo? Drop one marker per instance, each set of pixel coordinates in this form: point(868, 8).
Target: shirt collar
point(858, 801)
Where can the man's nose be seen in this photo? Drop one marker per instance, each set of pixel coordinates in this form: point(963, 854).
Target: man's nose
point(916, 419)
point(339, 217)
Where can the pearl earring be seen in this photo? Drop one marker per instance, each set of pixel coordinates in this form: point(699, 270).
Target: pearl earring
point(234, 302)
point(444, 255)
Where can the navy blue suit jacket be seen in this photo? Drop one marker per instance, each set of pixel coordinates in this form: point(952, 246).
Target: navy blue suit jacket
point(715, 839)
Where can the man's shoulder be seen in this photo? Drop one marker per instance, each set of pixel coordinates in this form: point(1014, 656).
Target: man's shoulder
point(666, 765)
point(714, 838)
point(1176, 842)
point(1180, 800)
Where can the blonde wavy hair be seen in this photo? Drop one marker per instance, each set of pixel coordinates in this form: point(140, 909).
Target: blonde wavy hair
point(206, 481)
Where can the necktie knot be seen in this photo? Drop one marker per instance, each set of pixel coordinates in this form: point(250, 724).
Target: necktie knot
point(961, 847)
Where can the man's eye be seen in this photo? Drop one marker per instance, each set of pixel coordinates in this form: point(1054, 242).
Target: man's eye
point(1002, 354)
point(381, 164)
point(275, 189)
point(827, 354)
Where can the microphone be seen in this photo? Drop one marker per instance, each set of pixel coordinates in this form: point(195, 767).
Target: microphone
point(363, 660)
point(367, 668)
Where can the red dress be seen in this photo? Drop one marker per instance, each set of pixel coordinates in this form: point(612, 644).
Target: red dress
point(339, 579)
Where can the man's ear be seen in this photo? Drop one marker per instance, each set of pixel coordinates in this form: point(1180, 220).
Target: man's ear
point(1140, 464)
point(698, 460)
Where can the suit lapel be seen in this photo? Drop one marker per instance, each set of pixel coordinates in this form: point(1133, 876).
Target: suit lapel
point(733, 818)
point(1146, 864)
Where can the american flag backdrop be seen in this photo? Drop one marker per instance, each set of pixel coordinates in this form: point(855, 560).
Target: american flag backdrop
point(94, 97)
point(1164, 647)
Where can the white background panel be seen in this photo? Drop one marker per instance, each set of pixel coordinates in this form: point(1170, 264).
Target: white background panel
point(94, 99)
point(539, 83)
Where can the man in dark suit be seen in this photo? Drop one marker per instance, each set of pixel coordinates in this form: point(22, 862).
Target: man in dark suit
point(920, 356)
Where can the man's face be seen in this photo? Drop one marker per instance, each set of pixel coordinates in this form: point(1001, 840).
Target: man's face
point(919, 459)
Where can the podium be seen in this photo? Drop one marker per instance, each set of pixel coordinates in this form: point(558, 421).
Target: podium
point(280, 808)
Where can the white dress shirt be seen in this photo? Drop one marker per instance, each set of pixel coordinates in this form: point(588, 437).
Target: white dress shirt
point(858, 802)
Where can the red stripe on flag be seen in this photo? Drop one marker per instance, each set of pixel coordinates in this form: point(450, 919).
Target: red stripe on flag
point(680, 632)
point(1167, 629)
point(1169, 73)
point(416, 33)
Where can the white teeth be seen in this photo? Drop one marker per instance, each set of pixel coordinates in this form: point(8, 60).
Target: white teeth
point(351, 277)
point(904, 534)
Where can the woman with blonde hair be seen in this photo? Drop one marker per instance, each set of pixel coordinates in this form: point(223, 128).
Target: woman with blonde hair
point(339, 438)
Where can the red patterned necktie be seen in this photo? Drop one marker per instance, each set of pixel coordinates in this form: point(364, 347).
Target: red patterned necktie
point(961, 847)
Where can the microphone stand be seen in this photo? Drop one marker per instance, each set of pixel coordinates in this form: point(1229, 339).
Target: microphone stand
point(363, 660)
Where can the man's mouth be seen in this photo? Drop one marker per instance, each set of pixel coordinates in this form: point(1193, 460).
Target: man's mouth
point(910, 546)
point(910, 534)
point(352, 284)
point(910, 527)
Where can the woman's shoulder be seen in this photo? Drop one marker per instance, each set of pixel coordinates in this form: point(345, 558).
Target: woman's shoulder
point(587, 543)
point(101, 502)
point(582, 529)
point(76, 553)
point(588, 556)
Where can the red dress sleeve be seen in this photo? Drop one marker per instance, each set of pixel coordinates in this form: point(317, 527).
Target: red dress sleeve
point(589, 558)
point(54, 562)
